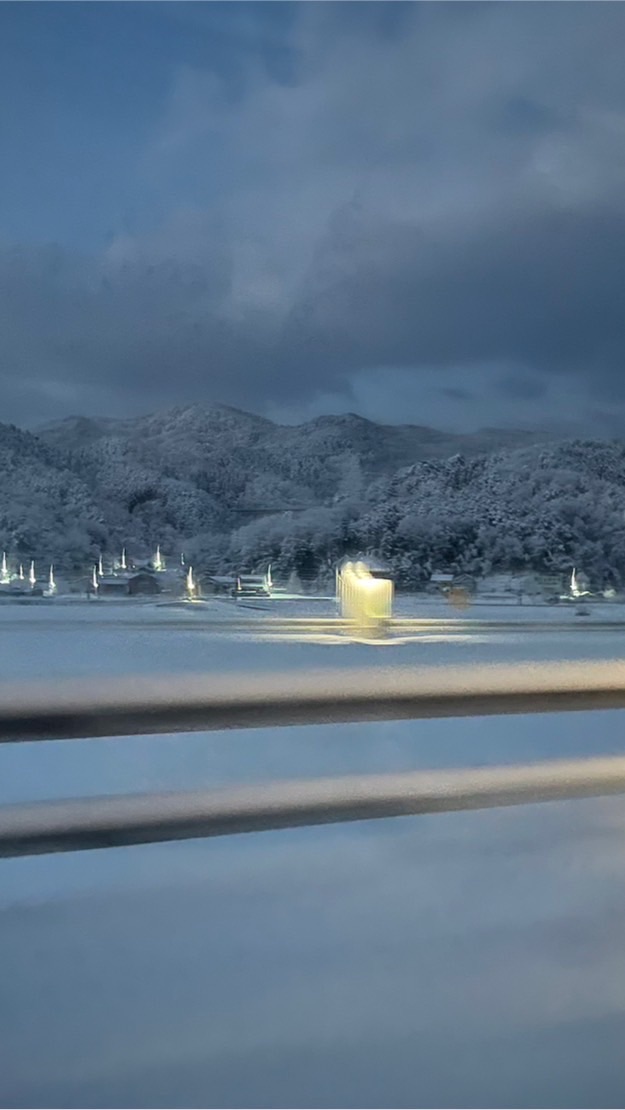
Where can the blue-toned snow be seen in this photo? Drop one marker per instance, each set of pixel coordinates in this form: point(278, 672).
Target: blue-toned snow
point(463, 960)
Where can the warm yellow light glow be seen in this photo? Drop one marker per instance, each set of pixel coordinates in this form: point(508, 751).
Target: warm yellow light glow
point(459, 597)
point(363, 599)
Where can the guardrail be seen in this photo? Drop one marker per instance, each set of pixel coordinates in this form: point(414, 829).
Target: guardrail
point(81, 710)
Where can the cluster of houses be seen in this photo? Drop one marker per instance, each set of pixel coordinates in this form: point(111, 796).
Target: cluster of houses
point(154, 577)
point(121, 578)
point(550, 588)
point(132, 578)
point(19, 581)
point(125, 577)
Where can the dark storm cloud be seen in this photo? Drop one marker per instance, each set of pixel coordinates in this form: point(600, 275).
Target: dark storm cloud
point(542, 288)
point(436, 190)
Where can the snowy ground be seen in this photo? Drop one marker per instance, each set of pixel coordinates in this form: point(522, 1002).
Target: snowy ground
point(463, 960)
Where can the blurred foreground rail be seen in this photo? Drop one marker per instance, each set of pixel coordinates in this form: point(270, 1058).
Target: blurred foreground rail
point(101, 707)
point(75, 825)
point(87, 709)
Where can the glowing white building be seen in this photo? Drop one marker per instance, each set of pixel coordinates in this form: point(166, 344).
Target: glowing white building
point(363, 595)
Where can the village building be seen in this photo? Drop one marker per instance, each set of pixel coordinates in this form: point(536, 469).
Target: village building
point(132, 584)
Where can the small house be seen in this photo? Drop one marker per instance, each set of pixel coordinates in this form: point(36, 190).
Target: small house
point(112, 585)
point(142, 583)
point(251, 585)
point(441, 581)
point(19, 589)
point(220, 584)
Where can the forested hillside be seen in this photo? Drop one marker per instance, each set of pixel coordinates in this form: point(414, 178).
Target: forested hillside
point(234, 490)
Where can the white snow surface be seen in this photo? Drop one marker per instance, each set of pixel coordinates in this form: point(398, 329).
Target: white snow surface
point(461, 960)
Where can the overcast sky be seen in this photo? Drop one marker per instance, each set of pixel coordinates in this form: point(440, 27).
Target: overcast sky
point(411, 211)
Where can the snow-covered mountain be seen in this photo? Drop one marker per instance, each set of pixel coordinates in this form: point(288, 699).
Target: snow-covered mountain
point(203, 466)
point(47, 511)
point(235, 489)
point(542, 508)
point(184, 431)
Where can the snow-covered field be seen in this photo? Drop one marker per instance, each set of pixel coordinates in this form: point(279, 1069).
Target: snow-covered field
point(463, 960)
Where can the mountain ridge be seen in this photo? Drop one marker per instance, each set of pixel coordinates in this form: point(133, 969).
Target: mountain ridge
point(232, 488)
point(410, 439)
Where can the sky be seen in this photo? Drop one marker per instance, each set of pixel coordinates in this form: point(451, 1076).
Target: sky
point(411, 211)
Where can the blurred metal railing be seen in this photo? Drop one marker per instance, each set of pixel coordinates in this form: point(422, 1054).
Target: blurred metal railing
point(114, 707)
